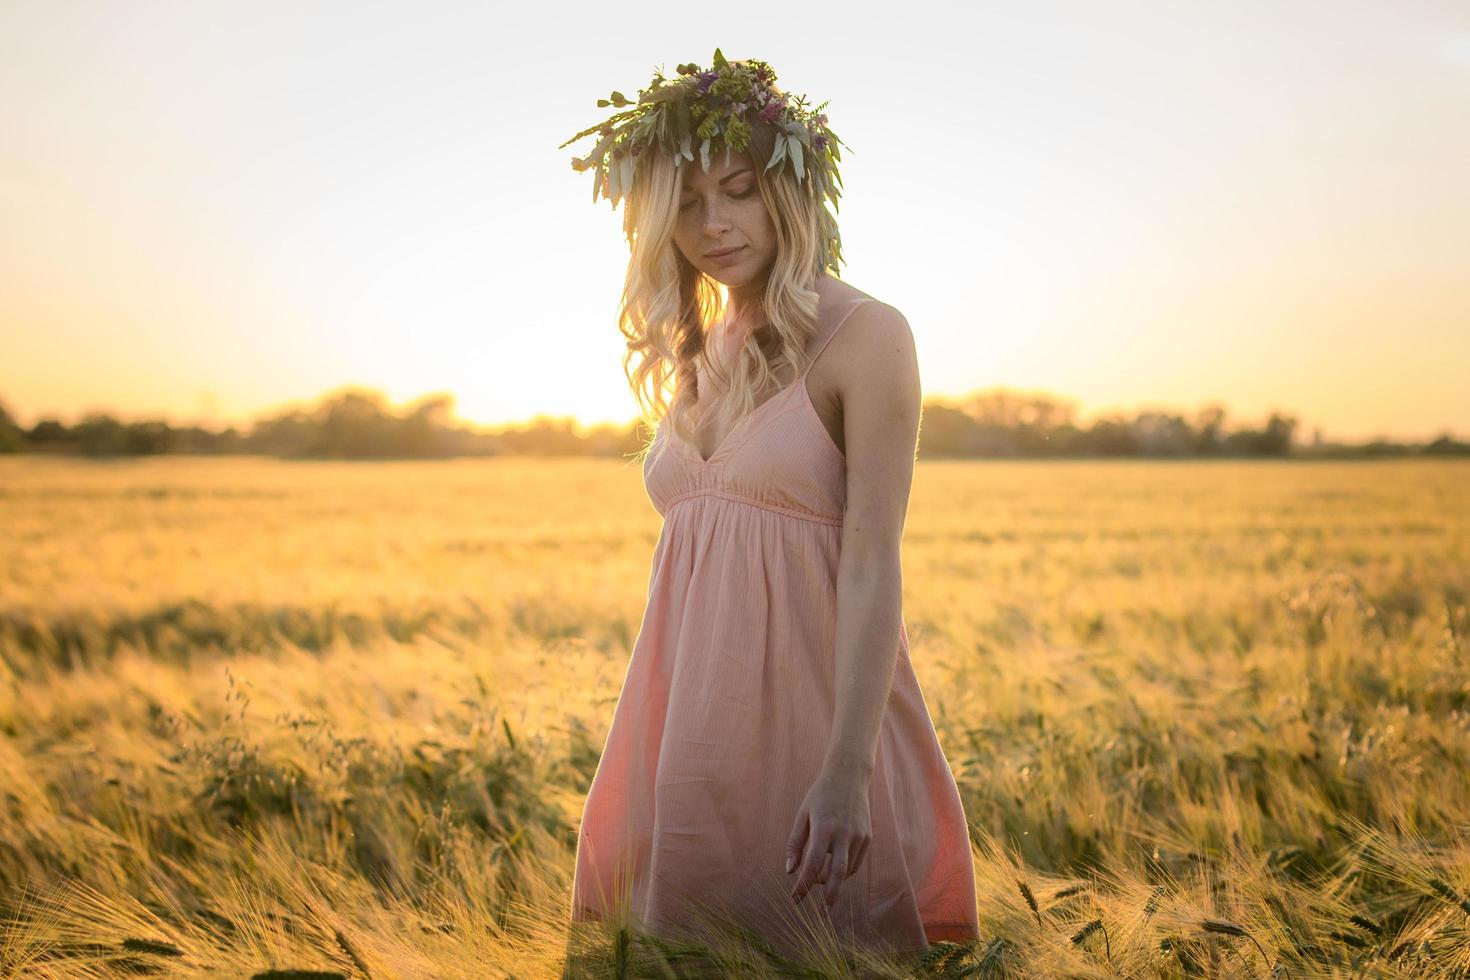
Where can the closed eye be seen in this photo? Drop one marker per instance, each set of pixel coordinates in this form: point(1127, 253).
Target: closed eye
point(740, 196)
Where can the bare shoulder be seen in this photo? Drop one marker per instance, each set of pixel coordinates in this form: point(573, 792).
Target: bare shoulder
point(875, 349)
point(869, 314)
point(877, 327)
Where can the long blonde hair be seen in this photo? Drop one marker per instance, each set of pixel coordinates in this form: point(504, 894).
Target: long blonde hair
point(668, 306)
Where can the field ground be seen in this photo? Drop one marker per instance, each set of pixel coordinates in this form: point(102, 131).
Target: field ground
point(1207, 718)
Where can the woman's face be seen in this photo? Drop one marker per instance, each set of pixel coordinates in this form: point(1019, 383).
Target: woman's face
point(721, 211)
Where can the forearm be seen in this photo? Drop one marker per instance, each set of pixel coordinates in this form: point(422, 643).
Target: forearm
point(869, 610)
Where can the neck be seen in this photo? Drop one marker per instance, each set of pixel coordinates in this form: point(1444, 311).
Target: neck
point(746, 300)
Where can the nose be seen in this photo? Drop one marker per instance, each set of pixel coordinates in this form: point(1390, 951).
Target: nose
point(716, 221)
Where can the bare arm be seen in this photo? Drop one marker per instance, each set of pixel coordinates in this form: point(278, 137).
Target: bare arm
point(878, 380)
point(880, 427)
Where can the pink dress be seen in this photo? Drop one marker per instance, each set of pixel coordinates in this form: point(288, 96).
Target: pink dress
point(728, 701)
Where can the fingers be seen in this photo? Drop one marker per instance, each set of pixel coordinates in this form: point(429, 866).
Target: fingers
point(813, 860)
point(840, 858)
point(838, 872)
point(796, 843)
point(822, 873)
point(858, 855)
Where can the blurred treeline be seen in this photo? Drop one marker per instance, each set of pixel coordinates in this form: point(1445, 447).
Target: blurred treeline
point(357, 423)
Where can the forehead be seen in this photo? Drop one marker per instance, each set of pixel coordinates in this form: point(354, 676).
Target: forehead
point(692, 176)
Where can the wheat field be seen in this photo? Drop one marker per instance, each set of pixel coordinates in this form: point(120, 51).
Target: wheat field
point(282, 719)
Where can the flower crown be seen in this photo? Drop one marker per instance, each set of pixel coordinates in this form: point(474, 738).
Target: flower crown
point(716, 107)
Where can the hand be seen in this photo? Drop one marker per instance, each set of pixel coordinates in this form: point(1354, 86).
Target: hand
point(831, 834)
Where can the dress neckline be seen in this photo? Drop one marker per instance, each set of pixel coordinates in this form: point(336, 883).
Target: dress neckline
point(740, 424)
point(746, 420)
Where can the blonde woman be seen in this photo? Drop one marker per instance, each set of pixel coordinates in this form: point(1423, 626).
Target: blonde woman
point(771, 759)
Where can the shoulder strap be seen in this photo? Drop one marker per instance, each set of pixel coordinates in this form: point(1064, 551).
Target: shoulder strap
point(823, 345)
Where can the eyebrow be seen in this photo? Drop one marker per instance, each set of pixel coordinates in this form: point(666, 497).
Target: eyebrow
point(732, 175)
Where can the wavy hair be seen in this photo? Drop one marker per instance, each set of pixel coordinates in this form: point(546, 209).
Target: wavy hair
point(668, 306)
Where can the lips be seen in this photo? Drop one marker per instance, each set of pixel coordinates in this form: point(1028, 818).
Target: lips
point(721, 253)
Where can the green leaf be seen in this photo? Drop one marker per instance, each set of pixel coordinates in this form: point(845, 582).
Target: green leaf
point(719, 59)
point(704, 154)
point(796, 159)
point(778, 154)
point(626, 184)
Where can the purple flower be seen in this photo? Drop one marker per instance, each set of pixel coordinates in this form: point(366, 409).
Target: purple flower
point(706, 79)
point(821, 119)
point(770, 112)
point(820, 141)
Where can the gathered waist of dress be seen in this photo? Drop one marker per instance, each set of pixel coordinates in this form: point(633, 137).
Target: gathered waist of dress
point(801, 515)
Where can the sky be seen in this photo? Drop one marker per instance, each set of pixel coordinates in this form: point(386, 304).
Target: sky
point(214, 211)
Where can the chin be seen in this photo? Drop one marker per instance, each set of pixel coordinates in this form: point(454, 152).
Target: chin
point(729, 277)
point(743, 274)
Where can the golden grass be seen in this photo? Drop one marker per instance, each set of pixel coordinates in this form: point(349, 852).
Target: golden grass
point(1208, 718)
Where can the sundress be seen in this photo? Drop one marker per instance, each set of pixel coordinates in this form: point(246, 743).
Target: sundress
point(725, 710)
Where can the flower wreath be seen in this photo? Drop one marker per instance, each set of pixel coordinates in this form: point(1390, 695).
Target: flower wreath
point(716, 107)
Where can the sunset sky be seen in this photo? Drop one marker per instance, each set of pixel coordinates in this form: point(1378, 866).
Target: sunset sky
point(209, 211)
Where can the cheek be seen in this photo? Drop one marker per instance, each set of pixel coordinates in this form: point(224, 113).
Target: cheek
point(757, 220)
point(689, 224)
point(685, 233)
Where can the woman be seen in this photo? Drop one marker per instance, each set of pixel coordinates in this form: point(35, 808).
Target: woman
point(771, 760)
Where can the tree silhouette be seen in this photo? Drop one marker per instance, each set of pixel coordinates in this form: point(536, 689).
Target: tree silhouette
point(358, 423)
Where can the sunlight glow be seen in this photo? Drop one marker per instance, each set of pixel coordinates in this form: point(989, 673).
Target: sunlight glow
point(1155, 203)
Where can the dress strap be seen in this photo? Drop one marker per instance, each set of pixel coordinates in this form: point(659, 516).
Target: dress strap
point(823, 345)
